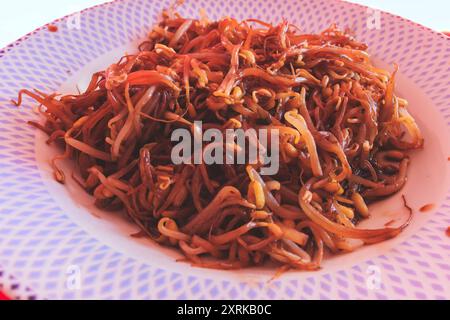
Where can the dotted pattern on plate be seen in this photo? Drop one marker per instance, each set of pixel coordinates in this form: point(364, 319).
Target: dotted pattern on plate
point(37, 240)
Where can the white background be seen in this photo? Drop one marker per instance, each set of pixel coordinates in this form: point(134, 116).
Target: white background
point(18, 17)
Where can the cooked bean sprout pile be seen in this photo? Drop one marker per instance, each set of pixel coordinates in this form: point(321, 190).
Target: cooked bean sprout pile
point(343, 137)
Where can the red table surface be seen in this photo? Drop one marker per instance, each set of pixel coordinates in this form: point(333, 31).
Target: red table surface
point(3, 296)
